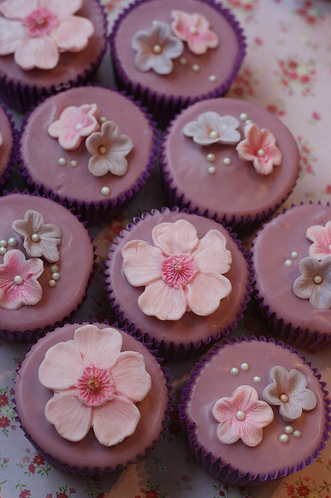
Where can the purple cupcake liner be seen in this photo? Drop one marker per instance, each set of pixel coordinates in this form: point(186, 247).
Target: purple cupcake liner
point(31, 336)
point(168, 350)
point(23, 97)
point(219, 468)
point(296, 336)
point(95, 212)
point(162, 107)
point(96, 471)
point(14, 152)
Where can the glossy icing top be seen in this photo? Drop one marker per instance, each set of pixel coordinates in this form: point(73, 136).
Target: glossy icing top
point(40, 152)
point(75, 263)
point(234, 189)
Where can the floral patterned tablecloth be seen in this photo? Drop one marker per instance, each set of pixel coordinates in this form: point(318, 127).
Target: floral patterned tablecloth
point(288, 71)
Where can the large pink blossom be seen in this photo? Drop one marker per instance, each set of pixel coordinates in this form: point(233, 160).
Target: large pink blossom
point(195, 30)
point(242, 416)
point(37, 31)
point(259, 146)
point(180, 272)
point(19, 280)
point(95, 385)
point(321, 240)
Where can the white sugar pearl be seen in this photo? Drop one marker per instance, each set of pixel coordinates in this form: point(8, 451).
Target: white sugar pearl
point(288, 263)
point(212, 78)
point(18, 279)
point(73, 163)
point(244, 367)
point(62, 161)
point(294, 254)
point(55, 276)
point(227, 161)
point(52, 283)
point(257, 379)
point(234, 371)
point(283, 438)
point(288, 429)
point(105, 190)
point(243, 116)
point(212, 170)
point(12, 241)
point(196, 68)
point(3, 243)
point(3, 251)
point(211, 157)
point(297, 433)
point(54, 268)
point(240, 415)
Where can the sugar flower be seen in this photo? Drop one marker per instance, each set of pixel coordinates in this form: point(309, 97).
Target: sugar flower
point(40, 238)
point(259, 146)
point(315, 282)
point(37, 31)
point(95, 385)
point(211, 128)
point(74, 125)
point(195, 30)
point(109, 149)
point(180, 272)
point(156, 49)
point(242, 416)
point(19, 280)
point(321, 238)
point(288, 390)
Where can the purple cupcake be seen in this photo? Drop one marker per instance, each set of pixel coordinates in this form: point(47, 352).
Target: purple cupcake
point(178, 279)
point(292, 268)
point(8, 145)
point(44, 50)
point(46, 263)
point(169, 54)
point(254, 411)
point(91, 398)
point(90, 147)
point(229, 160)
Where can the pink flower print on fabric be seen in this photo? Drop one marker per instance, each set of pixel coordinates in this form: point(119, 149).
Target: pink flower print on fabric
point(74, 125)
point(289, 392)
point(19, 280)
point(320, 237)
point(259, 146)
point(211, 128)
point(40, 238)
point(37, 31)
point(95, 385)
point(109, 149)
point(315, 282)
point(180, 272)
point(242, 416)
point(195, 30)
point(156, 49)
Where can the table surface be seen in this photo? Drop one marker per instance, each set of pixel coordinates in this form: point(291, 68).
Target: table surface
point(288, 71)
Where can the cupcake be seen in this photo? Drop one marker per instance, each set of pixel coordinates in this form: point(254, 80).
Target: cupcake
point(46, 259)
point(178, 279)
point(90, 147)
point(8, 145)
point(242, 162)
point(91, 398)
point(254, 411)
point(291, 259)
point(44, 50)
point(171, 54)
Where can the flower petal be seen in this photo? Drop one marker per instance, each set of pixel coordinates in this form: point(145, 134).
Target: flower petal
point(12, 33)
point(99, 347)
point(62, 8)
point(70, 417)
point(37, 52)
point(131, 379)
point(205, 292)
point(162, 301)
point(115, 421)
point(141, 263)
point(211, 254)
point(175, 238)
point(18, 9)
point(72, 34)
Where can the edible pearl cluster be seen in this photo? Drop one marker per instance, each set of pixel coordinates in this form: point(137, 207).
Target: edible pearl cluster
point(289, 262)
point(55, 275)
point(195, 67)
point(12, 242)
point(244, 367)
point(288, 429)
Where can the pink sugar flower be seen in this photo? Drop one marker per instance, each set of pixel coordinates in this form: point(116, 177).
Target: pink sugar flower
point(210, 127)
point(321, 240)
point(180, 272)
point(19, 280)
point(259, 146)
point(95, 385)
point(74, 125)
point(242, 416)
point(314, 282)
point(37, 31)
point(288, 390)
point(195, 30)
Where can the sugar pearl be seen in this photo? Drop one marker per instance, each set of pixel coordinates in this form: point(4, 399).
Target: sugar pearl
point(54, 268)
point(283, 438)
point(193, 30)
point(288, 263)
point(283, 398)
point(183, 61)
point(240, 415)
point(244, 367)
point(52, 283)
point(102, 149)
point(3, 243)
point(35, 237)
point(212, 78)
point(3, 251)
point(157, 49)
point(318, 279)
point(212, 170)
point(297, 433)
point(294, 254)
point(257, 379)
point(234, 371)
point(103, 119)
point(105, 190)
point(196, 68)
point(213, 134)
point(55, 276)
point(227, 161)
point(73, 163)
point(288, 429)
point(78, 126)
point(211, 157)
point(260, 152)
point(62, 161)
point(12, 241)
point(243, 116)
point(18, 279)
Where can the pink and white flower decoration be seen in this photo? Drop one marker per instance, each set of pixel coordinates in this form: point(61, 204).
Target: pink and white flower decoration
point(195, 30)
point(95, 385)
point(321, 240)
point(210, 128)
point(314, 282)
point(180, 272)
point(289, 392)
point(109, 149)
point(40, 238)
point(74, 125)
point(156, 49)
point(19, 280)
point(259, 146)
point(242, 416)
point(37, 31)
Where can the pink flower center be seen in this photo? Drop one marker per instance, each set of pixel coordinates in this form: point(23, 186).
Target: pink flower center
point(178, 270)
point(95, 386)
point(40, 22)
